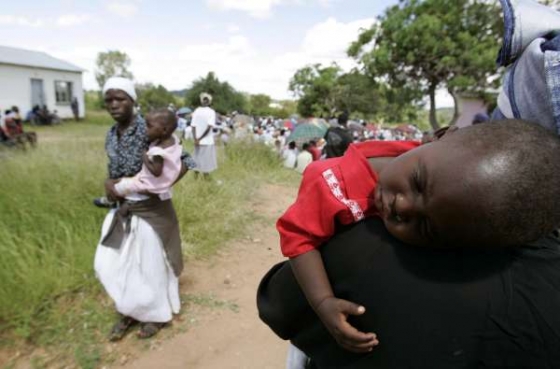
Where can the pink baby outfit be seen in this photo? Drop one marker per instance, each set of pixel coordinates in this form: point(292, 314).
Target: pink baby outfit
point(145, 181)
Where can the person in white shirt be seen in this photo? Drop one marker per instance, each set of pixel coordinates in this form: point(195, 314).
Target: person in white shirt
point(304, 158)
point(203, 121)
point(290, 155)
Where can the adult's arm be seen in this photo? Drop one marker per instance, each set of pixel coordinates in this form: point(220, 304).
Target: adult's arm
point(211, 123)
point(203, 134)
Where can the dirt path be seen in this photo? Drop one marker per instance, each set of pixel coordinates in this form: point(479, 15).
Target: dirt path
point(224, 331)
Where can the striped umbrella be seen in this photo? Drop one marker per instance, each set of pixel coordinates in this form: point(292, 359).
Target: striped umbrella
point(304, 132)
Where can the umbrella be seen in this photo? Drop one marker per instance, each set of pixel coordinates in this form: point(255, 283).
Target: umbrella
point(319, 122)
point(305, 132)
point(184, 110)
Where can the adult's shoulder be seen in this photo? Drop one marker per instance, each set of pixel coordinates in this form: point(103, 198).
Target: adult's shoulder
point(477, 306)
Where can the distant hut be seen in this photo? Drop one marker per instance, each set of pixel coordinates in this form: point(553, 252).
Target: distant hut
point(29, 78)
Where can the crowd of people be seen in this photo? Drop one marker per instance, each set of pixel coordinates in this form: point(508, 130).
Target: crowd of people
point(276, 133)
point(42, 116)
point(12, 133)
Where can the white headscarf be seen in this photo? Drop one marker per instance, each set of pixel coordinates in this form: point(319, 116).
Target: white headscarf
point(207, 96)
point(120, 83)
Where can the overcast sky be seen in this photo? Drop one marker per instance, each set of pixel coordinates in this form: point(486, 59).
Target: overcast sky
point(256, 45)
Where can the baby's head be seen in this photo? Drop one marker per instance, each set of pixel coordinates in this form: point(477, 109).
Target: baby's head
point(493, 184)
point(161, 124)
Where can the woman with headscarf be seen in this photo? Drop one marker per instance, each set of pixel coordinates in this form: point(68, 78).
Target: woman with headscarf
point(138, 259)
point(203, 122)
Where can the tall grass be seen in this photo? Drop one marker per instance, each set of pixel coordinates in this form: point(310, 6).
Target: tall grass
point(47, 225)
point(49, 228)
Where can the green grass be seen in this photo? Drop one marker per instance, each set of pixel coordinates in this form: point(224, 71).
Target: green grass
point(49, 230)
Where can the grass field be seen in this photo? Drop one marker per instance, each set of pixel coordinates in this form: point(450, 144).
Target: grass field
point(49, 230)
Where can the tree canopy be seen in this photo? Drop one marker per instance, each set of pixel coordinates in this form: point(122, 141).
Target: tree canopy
point(314, 85)
point(225, 98)
point(153, 97)
point(429, 44)
point(259, 104)
point(326, 91)
point(111, 63)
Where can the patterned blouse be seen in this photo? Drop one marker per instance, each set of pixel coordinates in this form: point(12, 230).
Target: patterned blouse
point(125, 155)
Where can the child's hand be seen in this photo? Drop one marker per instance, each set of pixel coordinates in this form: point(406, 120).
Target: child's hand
point(333, 313)
point(110, 191)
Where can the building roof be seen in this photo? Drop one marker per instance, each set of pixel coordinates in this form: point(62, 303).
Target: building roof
point(37, 59)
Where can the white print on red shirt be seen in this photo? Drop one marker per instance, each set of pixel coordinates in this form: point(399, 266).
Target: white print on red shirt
point(334, 186)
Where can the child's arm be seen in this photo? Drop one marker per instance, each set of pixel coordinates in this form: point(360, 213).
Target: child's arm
point(138, 184)
point(154, 165)
point(310, 273)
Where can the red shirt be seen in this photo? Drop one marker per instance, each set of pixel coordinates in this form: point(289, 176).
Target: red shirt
point(334, 190)
point(315, 152)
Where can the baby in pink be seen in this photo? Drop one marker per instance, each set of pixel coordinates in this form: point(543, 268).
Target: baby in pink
point(161, 163)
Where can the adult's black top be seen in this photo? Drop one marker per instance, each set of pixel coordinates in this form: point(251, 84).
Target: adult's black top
point(430, 309)
point(337, 141)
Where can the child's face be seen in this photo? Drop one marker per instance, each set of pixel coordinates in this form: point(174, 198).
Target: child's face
point(155, 125)
point(432, 195)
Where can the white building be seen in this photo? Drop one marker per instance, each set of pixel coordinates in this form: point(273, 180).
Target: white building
point(29, 78)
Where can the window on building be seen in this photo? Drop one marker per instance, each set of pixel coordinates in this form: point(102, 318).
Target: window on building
point(63, 92)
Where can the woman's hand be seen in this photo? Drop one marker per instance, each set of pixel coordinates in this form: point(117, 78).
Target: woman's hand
point(334, 313)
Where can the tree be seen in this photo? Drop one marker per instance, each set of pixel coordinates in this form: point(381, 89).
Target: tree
point(153, 97)
point(259, 105)
point(111, 63)
point(322, 91)
point(428, 44)
point(285, 109)
point(315, 87)
point(225, 98)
